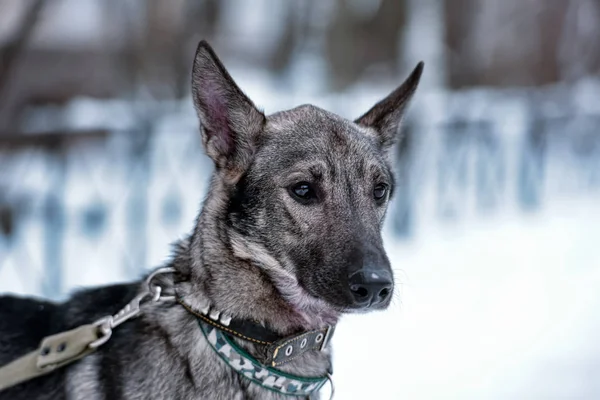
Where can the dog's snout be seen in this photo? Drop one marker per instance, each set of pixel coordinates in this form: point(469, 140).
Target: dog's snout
point(370, 287)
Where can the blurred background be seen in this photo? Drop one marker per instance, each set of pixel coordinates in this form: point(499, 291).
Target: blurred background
point(494, 233)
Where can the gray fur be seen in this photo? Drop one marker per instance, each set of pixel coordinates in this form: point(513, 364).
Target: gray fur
point(255, 252)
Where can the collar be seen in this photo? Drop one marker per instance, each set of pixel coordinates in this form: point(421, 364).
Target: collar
point(247, 366)
point(278, 350)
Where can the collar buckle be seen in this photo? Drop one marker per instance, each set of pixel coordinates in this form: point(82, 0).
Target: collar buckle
point(328, 334)
point(288, 348)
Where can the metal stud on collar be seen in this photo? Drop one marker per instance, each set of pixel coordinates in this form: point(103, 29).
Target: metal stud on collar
point(214, 315)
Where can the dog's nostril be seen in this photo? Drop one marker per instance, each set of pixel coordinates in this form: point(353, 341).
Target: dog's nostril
point(384, 293)
point(359, 291)
point(370, 287)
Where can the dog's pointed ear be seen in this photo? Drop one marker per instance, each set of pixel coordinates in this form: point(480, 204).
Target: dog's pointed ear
point(230, 122)
point(385, 116)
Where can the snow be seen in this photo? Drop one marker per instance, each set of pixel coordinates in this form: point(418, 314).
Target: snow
point(496, 309)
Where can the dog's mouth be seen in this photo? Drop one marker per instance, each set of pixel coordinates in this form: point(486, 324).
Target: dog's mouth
point(353, 309)
point(361, 309)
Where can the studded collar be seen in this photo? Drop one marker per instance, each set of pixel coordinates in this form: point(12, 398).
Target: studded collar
point(277, 349)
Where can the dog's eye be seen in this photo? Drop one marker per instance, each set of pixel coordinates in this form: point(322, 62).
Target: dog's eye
point(303, 192)
point(380, 191)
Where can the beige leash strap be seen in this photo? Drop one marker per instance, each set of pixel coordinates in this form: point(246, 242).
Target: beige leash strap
point(66, 347)
point(54, 352)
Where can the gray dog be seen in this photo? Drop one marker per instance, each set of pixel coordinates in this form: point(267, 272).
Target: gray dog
point(288, 239)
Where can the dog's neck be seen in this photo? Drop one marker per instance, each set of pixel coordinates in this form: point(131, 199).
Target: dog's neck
point(224, 271)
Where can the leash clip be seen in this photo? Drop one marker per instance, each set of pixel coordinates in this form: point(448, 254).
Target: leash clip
point(106, 324)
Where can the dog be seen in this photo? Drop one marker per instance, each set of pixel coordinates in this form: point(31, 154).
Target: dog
point(287, 241)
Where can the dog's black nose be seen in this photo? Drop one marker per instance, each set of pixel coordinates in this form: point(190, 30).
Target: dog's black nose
point(370, 287)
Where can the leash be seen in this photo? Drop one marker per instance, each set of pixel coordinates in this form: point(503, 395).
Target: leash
point(64, 348)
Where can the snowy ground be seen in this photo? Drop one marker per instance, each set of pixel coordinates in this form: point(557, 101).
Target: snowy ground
point(501, 309)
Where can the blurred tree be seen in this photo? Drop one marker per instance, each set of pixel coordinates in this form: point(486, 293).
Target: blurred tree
point(294, 32)
point(357, 39)
point(10, 53)
point(170, 33)
point(518, 43)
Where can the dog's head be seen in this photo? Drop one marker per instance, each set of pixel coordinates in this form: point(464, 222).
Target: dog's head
point(304, 191)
